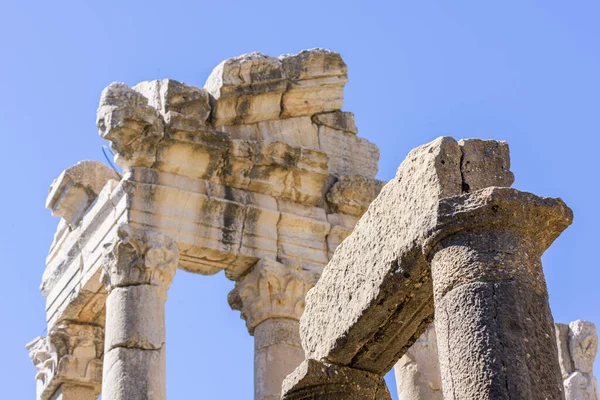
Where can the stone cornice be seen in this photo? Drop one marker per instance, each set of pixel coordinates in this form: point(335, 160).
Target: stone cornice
point(71, 353)
point(140, 257)
point(272, 290)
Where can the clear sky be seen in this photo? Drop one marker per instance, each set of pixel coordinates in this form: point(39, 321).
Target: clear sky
point(523, 71)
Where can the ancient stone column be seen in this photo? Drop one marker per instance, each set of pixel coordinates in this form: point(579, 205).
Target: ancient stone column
point(271, 299)
point(493, 321)
point(69, 362)
point(138, 270)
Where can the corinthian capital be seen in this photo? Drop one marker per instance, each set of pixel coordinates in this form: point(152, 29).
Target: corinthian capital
point(272, 290)
point(71, 353)
point(140, 257)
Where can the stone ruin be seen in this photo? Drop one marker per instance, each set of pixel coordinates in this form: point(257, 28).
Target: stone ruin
point(261, 175)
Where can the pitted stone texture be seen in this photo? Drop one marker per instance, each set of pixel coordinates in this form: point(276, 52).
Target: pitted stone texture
point(185, 108)
point(140, 257)
point(485, 163)
point(132, 126)
point(353, 194)
point(494, 325)
point(378, 278)
point(583, 345)
point(417, 373)
point(70, 354)
point(325, 381)
point(271, 290)
point(339, 120)
point(76, 188)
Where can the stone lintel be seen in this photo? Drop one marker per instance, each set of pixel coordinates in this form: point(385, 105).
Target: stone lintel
point(374, 298)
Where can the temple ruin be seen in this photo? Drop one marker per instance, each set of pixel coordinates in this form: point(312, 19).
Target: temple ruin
point(260, 174)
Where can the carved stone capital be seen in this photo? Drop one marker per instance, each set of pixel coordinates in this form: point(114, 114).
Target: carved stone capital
point(71, 353)
point(140, 257)
point(272, 290)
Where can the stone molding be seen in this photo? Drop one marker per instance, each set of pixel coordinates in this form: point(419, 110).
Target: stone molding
point(71, 353)
point(272, 290)
point(139, 257)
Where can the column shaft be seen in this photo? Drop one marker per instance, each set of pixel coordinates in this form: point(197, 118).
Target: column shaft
point(134, 363)
point(138, 270)
point(493, 320)
point(277, 352)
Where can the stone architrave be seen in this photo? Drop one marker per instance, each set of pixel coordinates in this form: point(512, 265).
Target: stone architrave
point(69, 362)
point(138, 270)
point(493, 321)
point(271, 300)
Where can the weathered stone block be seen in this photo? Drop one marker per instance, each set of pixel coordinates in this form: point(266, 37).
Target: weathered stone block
point(339, 120)
point(353, 194)
point(246, 89)
point(485, 163)
point(183, 107)
point(348, 153)
point(317, 81)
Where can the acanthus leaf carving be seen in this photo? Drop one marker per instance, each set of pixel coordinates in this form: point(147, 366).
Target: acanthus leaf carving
point(139, 257)
point(71, 353)
point(272, 290)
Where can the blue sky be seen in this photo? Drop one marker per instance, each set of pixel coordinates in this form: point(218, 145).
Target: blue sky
point(523, 71)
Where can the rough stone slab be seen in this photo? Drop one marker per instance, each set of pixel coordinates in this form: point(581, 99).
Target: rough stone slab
point(354, 313)
point(374, 298)
point(340, 120)
point(325, 381)
point(485, 163)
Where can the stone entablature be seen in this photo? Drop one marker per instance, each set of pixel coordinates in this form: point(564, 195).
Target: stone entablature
point(259, 174)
